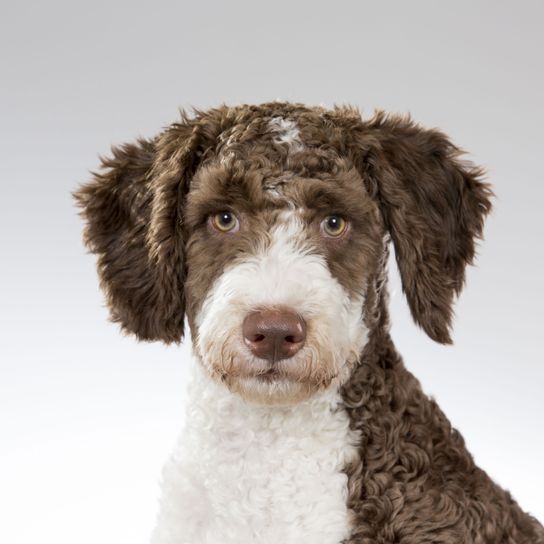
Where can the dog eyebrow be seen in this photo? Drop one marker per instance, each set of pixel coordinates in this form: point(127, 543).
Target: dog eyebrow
point(221, 190)
point(328, 196)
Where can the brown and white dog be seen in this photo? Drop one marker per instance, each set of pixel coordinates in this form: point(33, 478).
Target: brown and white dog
point(268, 227)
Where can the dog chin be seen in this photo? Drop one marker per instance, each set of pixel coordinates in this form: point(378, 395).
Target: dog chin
point(271, 389)
point(285, 382)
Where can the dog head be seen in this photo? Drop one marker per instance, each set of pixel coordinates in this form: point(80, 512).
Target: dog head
point(268, 227)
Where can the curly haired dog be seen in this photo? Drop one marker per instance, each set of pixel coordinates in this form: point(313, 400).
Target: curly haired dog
point(268, 227)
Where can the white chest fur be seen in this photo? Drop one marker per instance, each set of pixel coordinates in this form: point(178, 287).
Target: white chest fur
point(247, 474)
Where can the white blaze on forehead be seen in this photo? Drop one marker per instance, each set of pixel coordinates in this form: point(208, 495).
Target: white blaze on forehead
point(286, 132)
point(285, 272)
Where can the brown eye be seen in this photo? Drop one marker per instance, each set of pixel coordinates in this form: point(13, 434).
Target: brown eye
point(225, 222)
point(334, 226)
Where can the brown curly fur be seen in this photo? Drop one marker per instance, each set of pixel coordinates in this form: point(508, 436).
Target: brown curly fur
point(414, 482)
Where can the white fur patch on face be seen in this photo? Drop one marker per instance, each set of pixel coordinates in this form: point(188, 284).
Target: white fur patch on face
point(286, 132)
point(244, 473)
point(286, 272)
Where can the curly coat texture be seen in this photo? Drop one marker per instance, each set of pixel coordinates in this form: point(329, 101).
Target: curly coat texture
point(413, 481)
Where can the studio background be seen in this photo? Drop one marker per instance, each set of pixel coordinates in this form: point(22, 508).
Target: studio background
point(88, 416)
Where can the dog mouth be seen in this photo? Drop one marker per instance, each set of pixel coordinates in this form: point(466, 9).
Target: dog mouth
point(269, 375)
point(236, 367)
point(273, 382)
point(286, 372)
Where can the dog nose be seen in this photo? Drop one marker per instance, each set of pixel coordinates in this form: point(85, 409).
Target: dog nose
point(274, 334)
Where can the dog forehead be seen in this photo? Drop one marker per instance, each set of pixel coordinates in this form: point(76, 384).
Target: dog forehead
point(275, 163)
point(286, 131)
point(275, 129)
point(287, 141)
point(243, 185)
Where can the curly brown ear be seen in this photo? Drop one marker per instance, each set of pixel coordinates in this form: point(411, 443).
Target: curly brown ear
point(143, 296)
point(133, 213)
point(434, 206)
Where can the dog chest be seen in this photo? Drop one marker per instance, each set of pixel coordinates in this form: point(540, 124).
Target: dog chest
point(245, 473)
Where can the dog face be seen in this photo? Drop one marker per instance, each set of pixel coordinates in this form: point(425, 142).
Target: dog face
point(277, 265)
point(267, 226)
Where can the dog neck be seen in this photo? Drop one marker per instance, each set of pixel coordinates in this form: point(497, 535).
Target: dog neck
point(260, 473)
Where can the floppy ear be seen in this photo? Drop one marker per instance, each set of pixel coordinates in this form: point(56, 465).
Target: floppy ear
point(132, 211)
point(434, 206)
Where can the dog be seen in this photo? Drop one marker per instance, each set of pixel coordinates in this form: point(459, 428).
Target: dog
point(267, 227)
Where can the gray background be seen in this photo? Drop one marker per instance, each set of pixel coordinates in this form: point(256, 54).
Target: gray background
point(88, 416)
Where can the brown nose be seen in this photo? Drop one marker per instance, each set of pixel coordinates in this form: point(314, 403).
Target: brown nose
point(274, 334)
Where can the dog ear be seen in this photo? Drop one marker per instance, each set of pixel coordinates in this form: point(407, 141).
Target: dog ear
point(132, 209)
point(434, 206)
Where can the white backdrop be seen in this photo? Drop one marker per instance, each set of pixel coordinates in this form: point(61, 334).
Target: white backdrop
point(88, 416)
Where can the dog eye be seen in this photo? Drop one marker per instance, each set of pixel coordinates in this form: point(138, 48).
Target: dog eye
point(333, 226)
point(225, 222)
